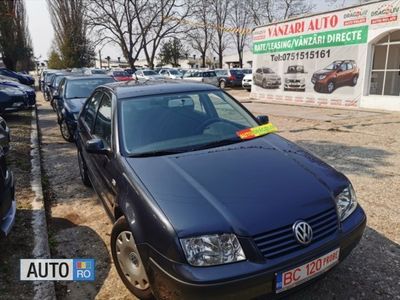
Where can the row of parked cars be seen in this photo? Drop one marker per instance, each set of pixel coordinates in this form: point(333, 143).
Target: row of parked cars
point(16, 91)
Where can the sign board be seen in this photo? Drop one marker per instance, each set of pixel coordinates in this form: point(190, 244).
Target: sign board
point(319, 59)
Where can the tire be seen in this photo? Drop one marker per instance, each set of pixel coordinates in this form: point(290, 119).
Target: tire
point(249, 90)
point(285, 89)
point(222, 84)
point(65, 131)
point(53, 105)
point(354, 80)
point(83, 170)
point(330, 87)
point(127, 260)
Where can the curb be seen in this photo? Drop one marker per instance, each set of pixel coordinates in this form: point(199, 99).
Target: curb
point(42, 289)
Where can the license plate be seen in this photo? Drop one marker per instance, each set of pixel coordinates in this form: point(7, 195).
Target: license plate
point(294, 277)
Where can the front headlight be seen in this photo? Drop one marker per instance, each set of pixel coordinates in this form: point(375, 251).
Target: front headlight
point(322, 77)
point(346, 202)
point(209, 250)
point(287, 80)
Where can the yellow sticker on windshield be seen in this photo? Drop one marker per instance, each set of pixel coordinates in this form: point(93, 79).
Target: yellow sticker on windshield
point(251, 133)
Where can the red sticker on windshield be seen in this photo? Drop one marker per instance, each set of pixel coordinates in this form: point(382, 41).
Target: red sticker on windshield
point(251, 133)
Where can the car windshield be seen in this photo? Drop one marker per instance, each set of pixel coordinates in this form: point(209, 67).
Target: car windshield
point(333, 66)
point(295, 69)
point(149, 73)
point(247, 71)
point(121, 74)
point(57, 80)
point(50, 77)
point(221, 72)
point(174, 123)
point(82, 88)
point(98, 72)
point(174, 72)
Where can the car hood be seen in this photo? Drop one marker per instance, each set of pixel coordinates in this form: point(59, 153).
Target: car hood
point(246, 188)
point(323, 72)
point(295, 75)
point(272, 76)
point(248, 76)
point(74, 105)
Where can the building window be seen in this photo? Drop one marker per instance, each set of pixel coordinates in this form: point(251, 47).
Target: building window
point(385, 74)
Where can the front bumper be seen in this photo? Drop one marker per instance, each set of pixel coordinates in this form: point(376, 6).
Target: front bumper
point(8, 220)
point(290, 86)
point(242, 280)
point(15, 104)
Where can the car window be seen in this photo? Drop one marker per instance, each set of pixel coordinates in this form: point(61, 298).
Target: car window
point(349, 66)
point(102, 127)
point(90, 109)
point(82, 88)
point(61, 87)
point(343, 67)
point(189, 121)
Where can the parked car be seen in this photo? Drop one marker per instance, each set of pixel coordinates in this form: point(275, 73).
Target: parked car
point(22, 78)
point(266, 78)
point(48, 78)
point(72, 93)
point(9, 79)
point(29, 91)
point(52, 86)
point(170, 74)
point(93, 71)
point(194, 216)
point(229, 77)
point(338, 73)
point(295, 78)
point(209, 77)
point(120, 75)
point(12, 99)
point(148, 74)
point(247, 82)
point(8, 205)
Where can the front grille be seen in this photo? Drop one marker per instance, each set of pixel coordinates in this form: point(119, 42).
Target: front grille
point(281, 241)
point(294, 81)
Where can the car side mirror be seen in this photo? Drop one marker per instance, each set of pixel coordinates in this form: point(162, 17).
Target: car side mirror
point(96, 146)
point(263, 119)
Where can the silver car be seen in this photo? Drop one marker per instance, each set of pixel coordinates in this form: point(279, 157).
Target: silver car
point(148, 74)
point(209, 77)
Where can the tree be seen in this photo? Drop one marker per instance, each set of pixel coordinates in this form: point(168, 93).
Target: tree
point(171, 51)
point(116, 21)
point(220, 10)
point(15, 41)
point(240, 20)
point(55, 61)
point(201, 34)
point(159, 20)
point(71, 32)
point(268, 11)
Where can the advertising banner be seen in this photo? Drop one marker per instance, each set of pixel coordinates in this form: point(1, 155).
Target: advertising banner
point(319, 59)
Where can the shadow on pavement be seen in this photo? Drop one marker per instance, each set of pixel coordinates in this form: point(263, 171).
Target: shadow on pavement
point(350, 159)
point(69, 237)
point(369, 272)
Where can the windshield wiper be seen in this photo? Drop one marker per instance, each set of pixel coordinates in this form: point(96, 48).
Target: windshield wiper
point(218, 143)
point(155, 153)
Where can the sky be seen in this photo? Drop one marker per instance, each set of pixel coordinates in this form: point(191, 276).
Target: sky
point(42, 31)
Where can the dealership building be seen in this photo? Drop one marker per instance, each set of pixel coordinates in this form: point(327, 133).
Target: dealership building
point(349, 58)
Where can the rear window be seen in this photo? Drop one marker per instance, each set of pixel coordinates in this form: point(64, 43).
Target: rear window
point(237, 72)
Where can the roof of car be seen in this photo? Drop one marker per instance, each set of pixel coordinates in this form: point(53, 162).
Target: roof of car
point(83, 76)
point(132, 88)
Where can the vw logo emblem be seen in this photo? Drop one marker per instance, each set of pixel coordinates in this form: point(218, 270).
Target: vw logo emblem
point(303, 232)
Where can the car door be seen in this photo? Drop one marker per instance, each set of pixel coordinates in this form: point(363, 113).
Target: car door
point(258, 76)
point(103, 163)
point(341, 74)
point(85, 129)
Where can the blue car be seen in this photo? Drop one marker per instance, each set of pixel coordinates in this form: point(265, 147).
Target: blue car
point(12, 99)
point(29, 91)
point(71, 94)
point(22, 78)
point(8, 205)
point(207, 201)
